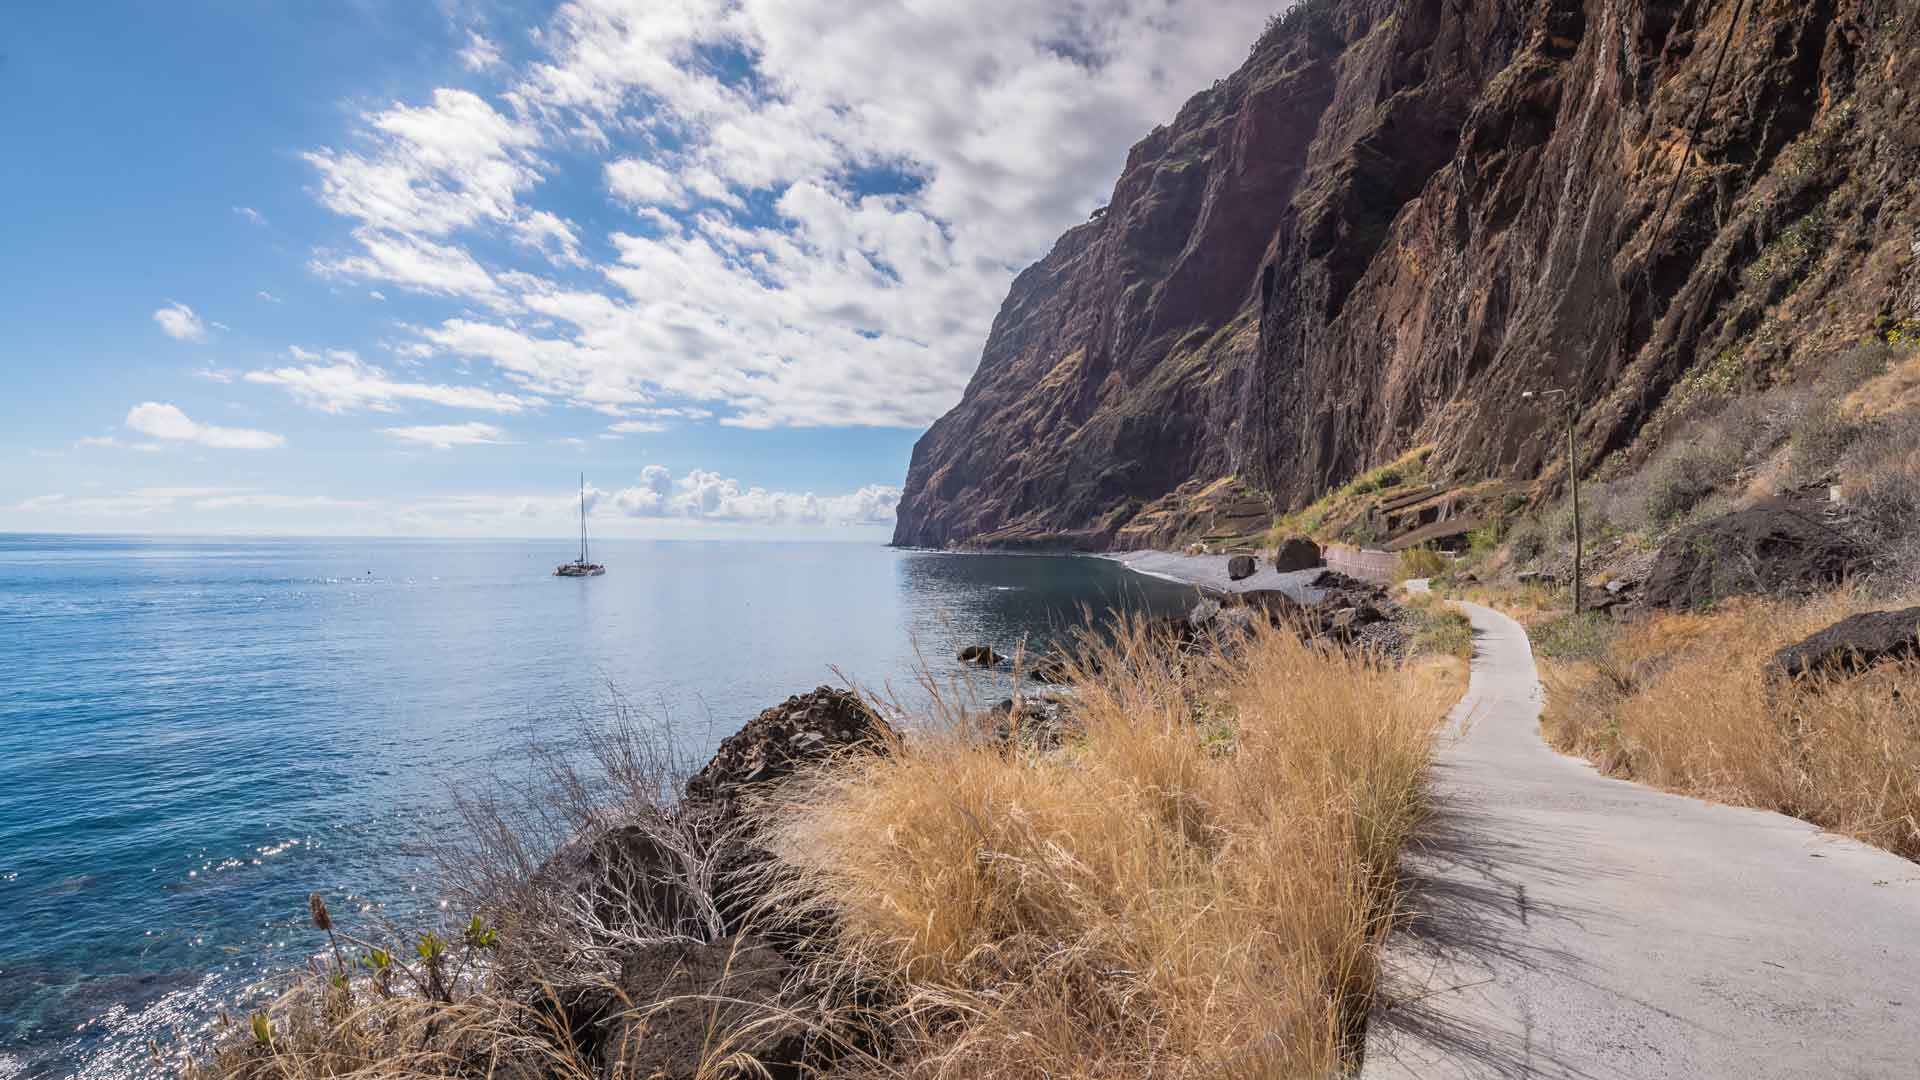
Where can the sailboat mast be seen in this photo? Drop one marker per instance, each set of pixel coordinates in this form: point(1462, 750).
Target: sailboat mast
point(583, 518)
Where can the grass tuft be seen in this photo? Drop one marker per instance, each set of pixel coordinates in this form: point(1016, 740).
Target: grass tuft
point(1682, 702)
point(1195, 886)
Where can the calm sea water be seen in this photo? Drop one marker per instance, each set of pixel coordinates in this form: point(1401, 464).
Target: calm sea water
point(194, 734)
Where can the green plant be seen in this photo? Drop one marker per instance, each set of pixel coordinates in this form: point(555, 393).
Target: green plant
point(1420, 562)
point(1573, 637)
point(1440, 630)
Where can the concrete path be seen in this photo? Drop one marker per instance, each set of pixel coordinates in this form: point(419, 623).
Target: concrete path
point(1571, 925)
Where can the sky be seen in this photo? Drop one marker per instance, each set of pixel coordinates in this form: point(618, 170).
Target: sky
point(407, 267)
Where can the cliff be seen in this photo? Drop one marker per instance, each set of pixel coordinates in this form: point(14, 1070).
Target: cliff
point(1399, 214)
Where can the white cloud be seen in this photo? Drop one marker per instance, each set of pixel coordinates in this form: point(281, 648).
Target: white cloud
point(447, 436)
point(110, 443)
point(253, 216)
point(432, 168)
point(181, 492)
point(414, 263)
point(550, 235)
point(376, 294)
point(168, 424)
point(340, 382)
point(708, 496)
point(178, 321)
point(643, 183)
point(480, 53)
point(637, 427)
point(914, 157)
point(267, 296)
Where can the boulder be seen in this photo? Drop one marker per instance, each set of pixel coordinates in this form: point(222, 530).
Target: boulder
point(1852, 645)
point(1240, 567)
point(1277, 605)
point(1296, 553)
point(688, 999)
point(1776, 546)
point(980, 654)
point(804, 729)
point(638, 873)
point(1347, 620)
point(1052, 668)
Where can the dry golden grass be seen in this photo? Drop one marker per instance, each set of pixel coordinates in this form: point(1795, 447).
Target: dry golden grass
point(1195, 886)
point(1893, 391)
point(1681, 702)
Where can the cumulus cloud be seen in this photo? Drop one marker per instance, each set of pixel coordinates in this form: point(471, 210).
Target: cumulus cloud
point(178, 321)
point(447, 436)
point(167, 423)
point(816, 237)
point(702, 495)
point(642, 183)
point(338, 381)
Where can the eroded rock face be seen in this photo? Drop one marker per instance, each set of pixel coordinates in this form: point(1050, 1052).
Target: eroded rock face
point(1852, 645)
point(803, 729)
point(1401, 213)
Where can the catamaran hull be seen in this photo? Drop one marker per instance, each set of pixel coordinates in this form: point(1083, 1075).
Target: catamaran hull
point(572, 570)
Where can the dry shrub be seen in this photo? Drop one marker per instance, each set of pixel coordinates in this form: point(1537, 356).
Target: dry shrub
point(1682, 702)
point(1420, 562)
point(1880, 481)
point(1194, 886)
point(517, 950)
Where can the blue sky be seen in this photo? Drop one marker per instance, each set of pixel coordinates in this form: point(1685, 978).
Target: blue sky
point(405, 267)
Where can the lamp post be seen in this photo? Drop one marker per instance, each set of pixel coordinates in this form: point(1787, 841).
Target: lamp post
point(1573, 478)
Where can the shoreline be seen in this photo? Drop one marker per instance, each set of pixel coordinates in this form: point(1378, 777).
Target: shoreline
point(1208, 573)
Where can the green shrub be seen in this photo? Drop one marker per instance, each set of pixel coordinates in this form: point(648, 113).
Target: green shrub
point(1420, 562)
point(1574, 637)
point(1440, 630)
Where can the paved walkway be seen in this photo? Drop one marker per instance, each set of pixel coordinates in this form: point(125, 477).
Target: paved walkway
point(1571, 925)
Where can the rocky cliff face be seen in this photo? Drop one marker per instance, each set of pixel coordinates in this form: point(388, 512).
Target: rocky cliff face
point(1401, 213)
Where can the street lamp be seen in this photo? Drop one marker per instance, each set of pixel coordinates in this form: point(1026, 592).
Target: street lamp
point(1573, 477)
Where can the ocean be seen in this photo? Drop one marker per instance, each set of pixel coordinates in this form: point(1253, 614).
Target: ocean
point(196, 733)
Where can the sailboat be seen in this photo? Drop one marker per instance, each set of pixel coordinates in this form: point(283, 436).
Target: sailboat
point(580, 567)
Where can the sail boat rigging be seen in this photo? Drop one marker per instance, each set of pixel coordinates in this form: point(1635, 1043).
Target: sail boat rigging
point(581, 567)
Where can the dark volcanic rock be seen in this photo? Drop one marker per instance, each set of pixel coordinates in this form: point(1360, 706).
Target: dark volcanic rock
point(1296, 553)
point(804, 729)
point(1241, 566)
point(1852, 645)
point(628, 873)
point(1278, 606)
point(1777, 546)
point(980, 654)
point(723, 993)
point(1399, 214)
